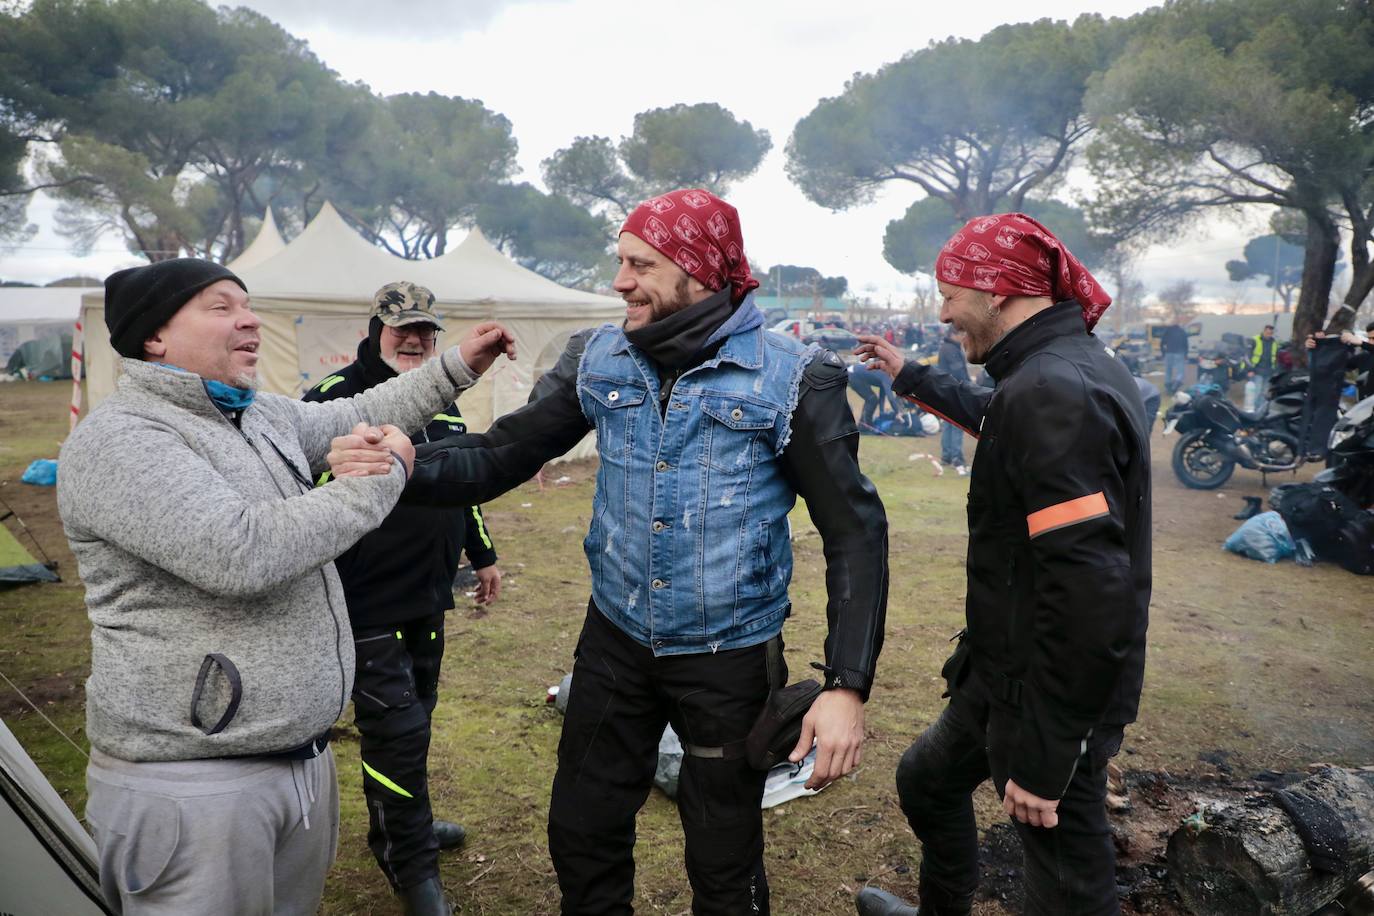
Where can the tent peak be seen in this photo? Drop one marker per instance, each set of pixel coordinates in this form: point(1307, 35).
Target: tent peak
point(266, 244)
point(327, 215)
point(476, 240)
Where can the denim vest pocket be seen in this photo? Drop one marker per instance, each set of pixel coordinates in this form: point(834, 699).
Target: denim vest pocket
point(738, 425)
point(755, 580)
point(615, 424)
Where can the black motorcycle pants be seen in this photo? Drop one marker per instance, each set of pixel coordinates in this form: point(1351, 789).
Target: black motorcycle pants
point(622, 697)
point(1068, 870)
point(394, 692)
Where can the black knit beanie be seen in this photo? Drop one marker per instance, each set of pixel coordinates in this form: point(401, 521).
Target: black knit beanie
point(140, 300)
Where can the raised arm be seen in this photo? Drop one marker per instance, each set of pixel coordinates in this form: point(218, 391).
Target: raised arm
point(205, 532)
point(959, 401)
point(472, 469)
point(408, 401)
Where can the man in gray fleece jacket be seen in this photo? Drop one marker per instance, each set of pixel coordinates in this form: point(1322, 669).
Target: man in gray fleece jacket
point(221, 652)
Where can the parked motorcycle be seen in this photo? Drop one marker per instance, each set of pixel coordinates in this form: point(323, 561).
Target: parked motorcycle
point(1350, 455)
point(1284, 396)
point(1215, 436)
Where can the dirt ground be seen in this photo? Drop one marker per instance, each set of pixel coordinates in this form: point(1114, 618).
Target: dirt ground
point(1251, 668)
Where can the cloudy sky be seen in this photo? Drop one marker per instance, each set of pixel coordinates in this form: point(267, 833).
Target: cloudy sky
point(559, 69)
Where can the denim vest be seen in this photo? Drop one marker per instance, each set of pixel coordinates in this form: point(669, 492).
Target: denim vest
point(689, 545)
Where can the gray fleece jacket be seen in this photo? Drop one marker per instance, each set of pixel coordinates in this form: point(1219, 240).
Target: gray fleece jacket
point(218, 622)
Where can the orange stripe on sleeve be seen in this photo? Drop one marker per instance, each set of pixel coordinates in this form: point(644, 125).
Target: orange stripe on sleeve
point(1070, 512)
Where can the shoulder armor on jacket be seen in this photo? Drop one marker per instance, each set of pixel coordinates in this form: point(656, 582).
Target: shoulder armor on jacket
point(577, 344)
point(825, 370)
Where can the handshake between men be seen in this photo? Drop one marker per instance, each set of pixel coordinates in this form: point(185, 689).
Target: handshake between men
point(369, 450)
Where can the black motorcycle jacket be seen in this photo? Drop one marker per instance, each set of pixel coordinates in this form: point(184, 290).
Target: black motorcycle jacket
point(820, 461)
point(405, 568)
point(1059, 538)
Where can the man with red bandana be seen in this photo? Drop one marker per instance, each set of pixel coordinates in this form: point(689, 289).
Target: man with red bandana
point(708, 428)
point(1049, 668)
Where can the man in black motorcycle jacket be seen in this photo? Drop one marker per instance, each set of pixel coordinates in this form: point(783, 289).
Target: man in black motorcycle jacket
point(1049, 668)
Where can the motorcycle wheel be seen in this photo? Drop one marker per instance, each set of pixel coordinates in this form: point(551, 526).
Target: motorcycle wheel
point(1198, 465)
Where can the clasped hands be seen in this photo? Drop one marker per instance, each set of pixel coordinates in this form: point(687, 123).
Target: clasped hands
point(369, 450)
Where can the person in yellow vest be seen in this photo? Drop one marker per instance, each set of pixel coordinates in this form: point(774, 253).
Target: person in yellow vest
point(1263, 353)
point(398, 582)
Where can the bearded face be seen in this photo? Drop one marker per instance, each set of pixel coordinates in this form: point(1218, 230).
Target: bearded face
point(975, 316)
point(652, 286)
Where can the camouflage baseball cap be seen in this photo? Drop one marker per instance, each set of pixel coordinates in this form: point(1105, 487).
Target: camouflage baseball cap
point(399, 304)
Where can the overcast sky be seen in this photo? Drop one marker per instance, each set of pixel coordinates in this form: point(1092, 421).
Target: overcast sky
point(559, 69)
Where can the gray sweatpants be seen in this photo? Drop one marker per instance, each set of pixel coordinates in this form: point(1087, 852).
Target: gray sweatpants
point(251, 837)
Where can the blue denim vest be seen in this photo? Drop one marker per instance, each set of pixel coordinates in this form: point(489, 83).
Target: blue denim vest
point(689, 545)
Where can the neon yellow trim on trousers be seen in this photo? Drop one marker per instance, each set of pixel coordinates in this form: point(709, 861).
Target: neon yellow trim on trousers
point(386, 782)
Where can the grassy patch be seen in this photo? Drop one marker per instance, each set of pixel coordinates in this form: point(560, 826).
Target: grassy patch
point(1270, 665)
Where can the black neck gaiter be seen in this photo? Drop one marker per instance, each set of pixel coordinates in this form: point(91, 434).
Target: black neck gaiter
point(676, 341)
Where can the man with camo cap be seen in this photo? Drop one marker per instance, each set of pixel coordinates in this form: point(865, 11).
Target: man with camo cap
point(398, 582)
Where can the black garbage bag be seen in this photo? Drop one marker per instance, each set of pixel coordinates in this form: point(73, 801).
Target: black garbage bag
point(1337, 529)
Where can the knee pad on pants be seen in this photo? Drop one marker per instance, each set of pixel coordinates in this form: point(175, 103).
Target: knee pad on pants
point(913, 781)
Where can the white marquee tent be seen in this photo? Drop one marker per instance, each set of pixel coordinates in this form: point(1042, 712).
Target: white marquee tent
point(314, 294)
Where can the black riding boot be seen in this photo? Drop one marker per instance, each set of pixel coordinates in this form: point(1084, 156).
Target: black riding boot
point(426, 899)
point(874, 902)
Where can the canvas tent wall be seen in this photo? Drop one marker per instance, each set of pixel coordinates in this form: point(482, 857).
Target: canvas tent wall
point(47, 861)
point(34, 313)
point(313, 297)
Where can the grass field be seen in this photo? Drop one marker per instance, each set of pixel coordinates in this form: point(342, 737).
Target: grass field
point(1263, 667)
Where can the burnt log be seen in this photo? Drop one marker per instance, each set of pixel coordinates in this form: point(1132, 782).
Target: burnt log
point(1246, 859)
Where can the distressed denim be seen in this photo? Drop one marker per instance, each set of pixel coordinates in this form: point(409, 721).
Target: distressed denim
point(689, 546)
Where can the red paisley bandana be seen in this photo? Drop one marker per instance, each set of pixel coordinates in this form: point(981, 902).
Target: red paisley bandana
point(1011, 254)
point(700, 233)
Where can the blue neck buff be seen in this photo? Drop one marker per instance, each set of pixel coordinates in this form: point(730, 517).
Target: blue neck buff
point(226, 397)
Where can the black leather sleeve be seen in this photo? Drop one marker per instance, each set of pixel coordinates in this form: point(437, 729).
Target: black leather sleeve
point(959, 401)
point(472, 469)
point(821, 461)
point(1069, 457)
